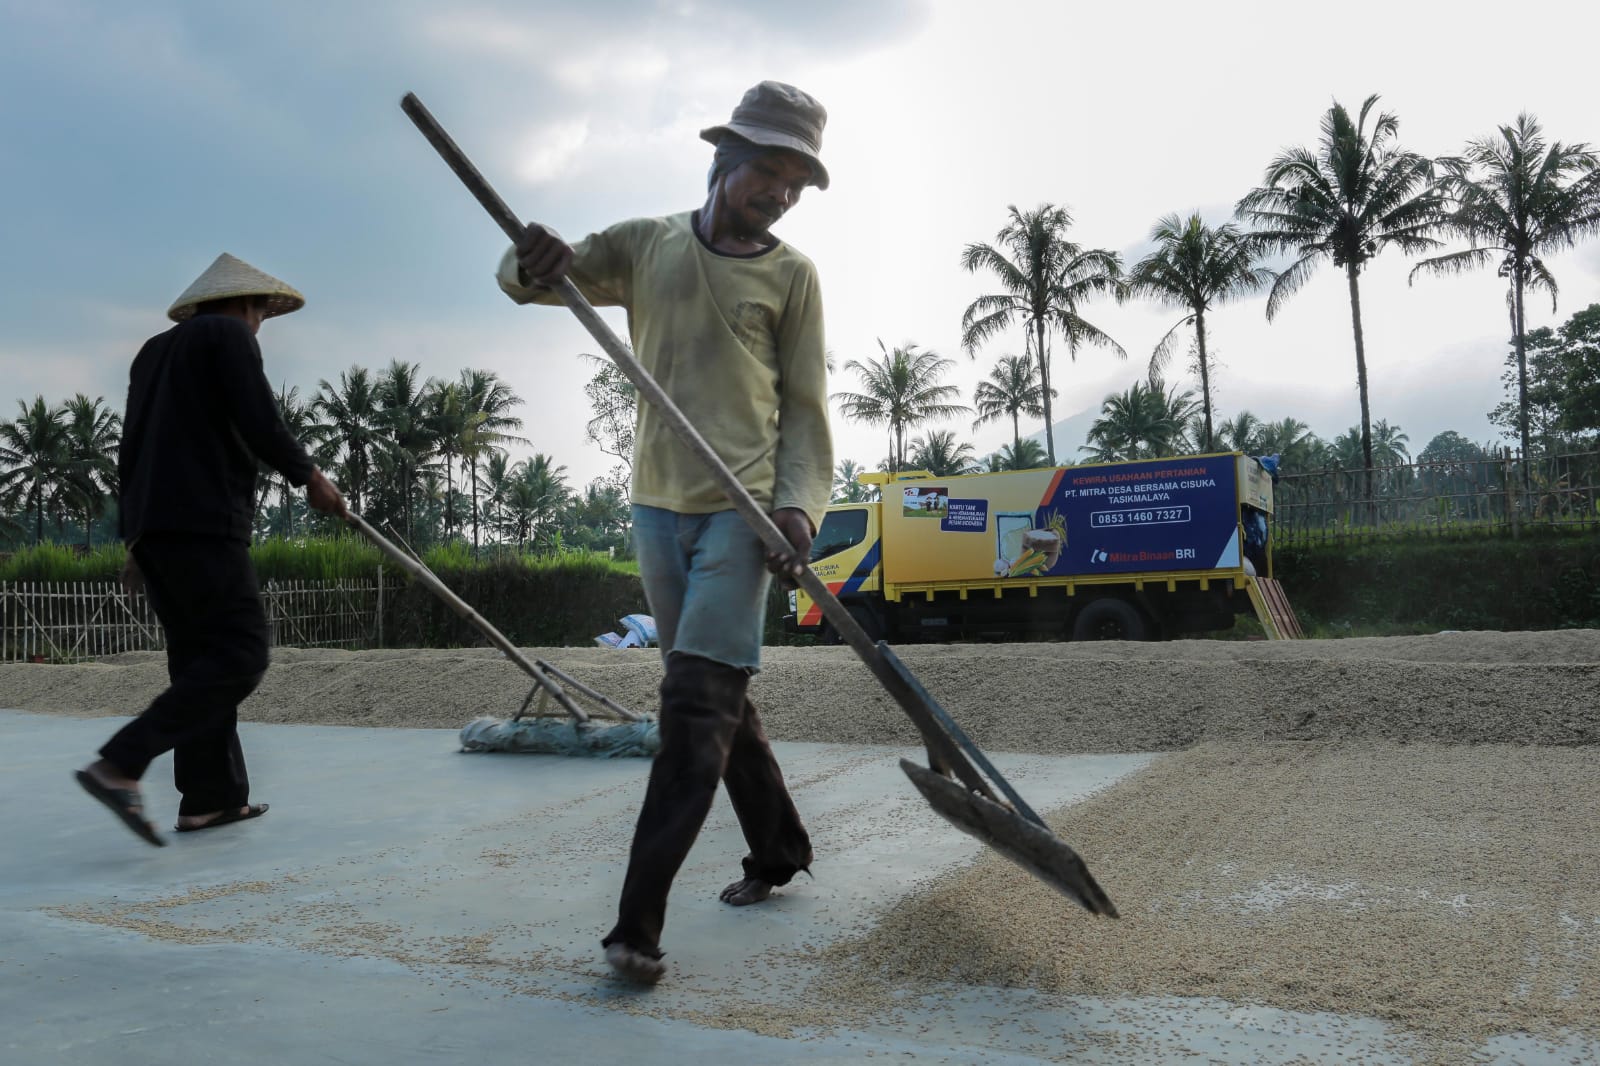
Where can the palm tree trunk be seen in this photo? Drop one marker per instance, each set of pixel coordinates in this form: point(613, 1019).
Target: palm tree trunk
point(1519, 338)
point(473, 473)
point(449, 492)
point(1361, 384)
point(1016, 434)
point(38, 515)
point(405, 501)
point(1044, 377)
point(357, 462)
point(1205, 374)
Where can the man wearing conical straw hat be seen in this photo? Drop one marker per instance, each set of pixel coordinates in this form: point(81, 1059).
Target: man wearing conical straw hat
point(200, 414)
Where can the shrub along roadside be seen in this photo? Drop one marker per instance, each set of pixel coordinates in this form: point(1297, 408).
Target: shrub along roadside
point(1544, 579)
point(550, 600)
point(561, 602)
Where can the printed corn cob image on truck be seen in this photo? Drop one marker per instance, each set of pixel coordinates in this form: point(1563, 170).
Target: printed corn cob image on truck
point(1030, 552)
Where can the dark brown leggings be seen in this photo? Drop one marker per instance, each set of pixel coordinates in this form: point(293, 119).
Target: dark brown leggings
point(709, 732)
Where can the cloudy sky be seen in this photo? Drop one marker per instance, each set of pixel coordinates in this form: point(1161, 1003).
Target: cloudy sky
point(139, 140)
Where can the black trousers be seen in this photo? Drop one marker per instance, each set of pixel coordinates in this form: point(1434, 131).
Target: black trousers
point(204, 590)
point(709, 732)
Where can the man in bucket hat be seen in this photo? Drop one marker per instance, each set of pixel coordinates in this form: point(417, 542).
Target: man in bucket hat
point(729, 320)
point(200, 414)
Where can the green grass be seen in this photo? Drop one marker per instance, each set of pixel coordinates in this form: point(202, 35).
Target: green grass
point(321, 559)
point(57, 562)
point(342, 557)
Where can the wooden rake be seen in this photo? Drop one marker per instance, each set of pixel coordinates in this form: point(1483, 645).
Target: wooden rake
point(959, 781)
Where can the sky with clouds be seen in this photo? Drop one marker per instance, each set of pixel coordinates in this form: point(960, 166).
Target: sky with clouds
point(139, 140)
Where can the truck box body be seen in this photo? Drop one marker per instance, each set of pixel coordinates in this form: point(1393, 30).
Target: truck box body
point(1024, 553)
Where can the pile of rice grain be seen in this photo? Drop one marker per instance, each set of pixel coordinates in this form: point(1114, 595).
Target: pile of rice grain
point(1396, 828)
point(1452, 891)
point(1524, 688)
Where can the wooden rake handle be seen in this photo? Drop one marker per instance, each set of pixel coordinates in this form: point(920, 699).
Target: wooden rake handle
point(428, 579)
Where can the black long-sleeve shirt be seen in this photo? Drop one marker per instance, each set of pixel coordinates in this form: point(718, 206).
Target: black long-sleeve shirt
point(200, 412)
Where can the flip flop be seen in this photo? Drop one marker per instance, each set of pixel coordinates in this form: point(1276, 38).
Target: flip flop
point(253, 810)
point(124, 803)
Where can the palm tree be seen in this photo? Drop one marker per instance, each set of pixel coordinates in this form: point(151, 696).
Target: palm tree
point(410, 442)
point(450, 424)
point(1517, 199)
point(351, 413)
point(93, 432)
point(494, 481)
point(1346, 450)
point(1292, 441)
point(1025, 454)
point(1389, 444)
point(537, 492)
point(1148, 421)
point(301, 418)
point(1241, 433)
point(940, 455)
point(33, 448)
point(1195, 267)
point(10, 528)
point(598, 518)
point(846, 489)
point(488, 403)
point(901, 391)
point(1045, 278)
point(429, 504)
point(1357, 194)
point(1012, 390)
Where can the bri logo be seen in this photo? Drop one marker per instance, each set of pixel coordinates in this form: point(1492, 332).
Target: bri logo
point(1097, 556)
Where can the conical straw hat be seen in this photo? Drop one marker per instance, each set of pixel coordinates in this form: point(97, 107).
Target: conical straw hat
point(229, 277)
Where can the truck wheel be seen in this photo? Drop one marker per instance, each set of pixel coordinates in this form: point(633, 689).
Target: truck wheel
point(865, 617)
point(1110, 619)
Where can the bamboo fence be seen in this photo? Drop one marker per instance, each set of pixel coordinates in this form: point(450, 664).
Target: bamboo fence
point(74, 621)
point(1498, 495)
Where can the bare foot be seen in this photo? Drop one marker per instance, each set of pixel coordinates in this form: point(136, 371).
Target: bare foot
point(746, 891)
point(634, 964)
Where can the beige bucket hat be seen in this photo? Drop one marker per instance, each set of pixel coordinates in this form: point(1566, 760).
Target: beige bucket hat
point(779, 116)
point(229, 277)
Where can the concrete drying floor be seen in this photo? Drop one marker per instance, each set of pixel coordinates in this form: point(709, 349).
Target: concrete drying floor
point(403, 903)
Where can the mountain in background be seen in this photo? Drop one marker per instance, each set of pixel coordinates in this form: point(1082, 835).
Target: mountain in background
point(1071, 433)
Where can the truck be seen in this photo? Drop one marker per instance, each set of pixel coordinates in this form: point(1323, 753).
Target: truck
point(1141, 550)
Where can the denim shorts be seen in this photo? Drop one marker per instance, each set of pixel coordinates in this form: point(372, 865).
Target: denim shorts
point(706, 578)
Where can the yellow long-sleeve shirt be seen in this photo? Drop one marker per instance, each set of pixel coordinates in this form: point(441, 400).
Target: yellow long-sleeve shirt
point(735, 341)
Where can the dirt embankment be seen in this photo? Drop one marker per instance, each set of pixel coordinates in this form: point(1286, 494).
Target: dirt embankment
point(1473, 688)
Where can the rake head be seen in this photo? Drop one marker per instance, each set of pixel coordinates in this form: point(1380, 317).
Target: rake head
point(1030, 846)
